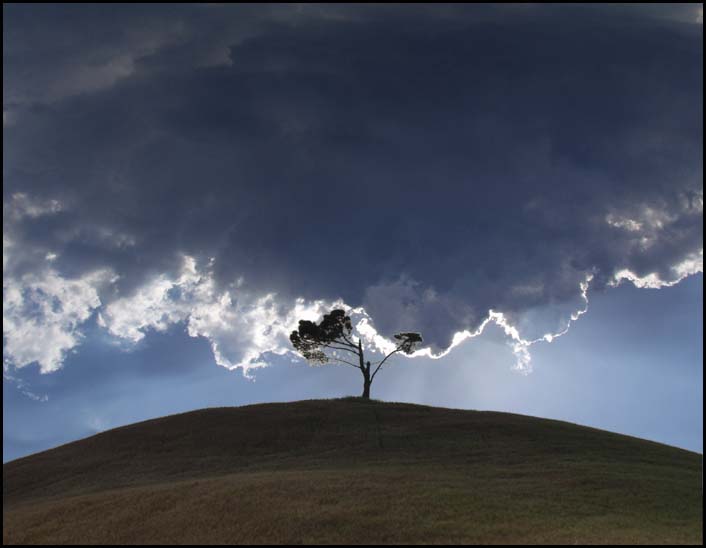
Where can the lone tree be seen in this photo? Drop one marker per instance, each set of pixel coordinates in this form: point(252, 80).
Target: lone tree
point(331, 339)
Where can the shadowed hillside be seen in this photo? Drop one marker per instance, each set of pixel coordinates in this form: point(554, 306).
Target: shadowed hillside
point(354, 471)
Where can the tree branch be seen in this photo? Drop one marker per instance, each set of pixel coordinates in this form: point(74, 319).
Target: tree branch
point(328, 345)
point(349, 341)
point(399, 348)
point(342, 361)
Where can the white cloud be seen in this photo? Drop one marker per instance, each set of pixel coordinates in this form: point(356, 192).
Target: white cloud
point(156, 305)
point(240, 328)
point(21, 205)
point(519, 344)
point(648, 225)
point(369, 334)
point(42, 314)
point(630, 225)
point(693, 264)
point(242, 331)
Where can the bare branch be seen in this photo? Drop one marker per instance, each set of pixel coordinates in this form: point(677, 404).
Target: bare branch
point(342, 361)
point(349, 341)
point(398, 349)
point(339, 348)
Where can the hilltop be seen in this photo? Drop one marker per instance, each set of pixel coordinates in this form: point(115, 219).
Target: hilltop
point(354, 471)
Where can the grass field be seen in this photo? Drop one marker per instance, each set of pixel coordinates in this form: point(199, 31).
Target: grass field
point(354, 471)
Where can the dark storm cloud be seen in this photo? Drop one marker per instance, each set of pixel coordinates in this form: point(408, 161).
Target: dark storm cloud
point(428, 163)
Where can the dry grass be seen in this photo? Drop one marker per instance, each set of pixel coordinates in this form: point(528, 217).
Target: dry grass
point(348, 471)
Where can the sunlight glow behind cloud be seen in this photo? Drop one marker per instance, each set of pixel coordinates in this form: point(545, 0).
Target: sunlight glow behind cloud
point(43, 317)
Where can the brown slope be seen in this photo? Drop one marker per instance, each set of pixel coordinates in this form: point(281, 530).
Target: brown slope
point(430, 472)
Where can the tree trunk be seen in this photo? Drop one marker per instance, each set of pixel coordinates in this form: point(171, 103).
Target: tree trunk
point(365, 368)
point(366, 386)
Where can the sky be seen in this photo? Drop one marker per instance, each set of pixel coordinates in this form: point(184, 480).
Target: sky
point(521, 184)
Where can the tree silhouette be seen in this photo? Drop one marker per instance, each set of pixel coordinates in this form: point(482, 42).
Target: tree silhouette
point(332, 340)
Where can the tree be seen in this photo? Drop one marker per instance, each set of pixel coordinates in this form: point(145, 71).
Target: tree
point(332, 340)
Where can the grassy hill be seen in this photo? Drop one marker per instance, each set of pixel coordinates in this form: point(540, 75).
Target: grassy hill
point(354, 471)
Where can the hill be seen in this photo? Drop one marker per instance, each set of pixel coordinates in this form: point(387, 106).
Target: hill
point(354, 471)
